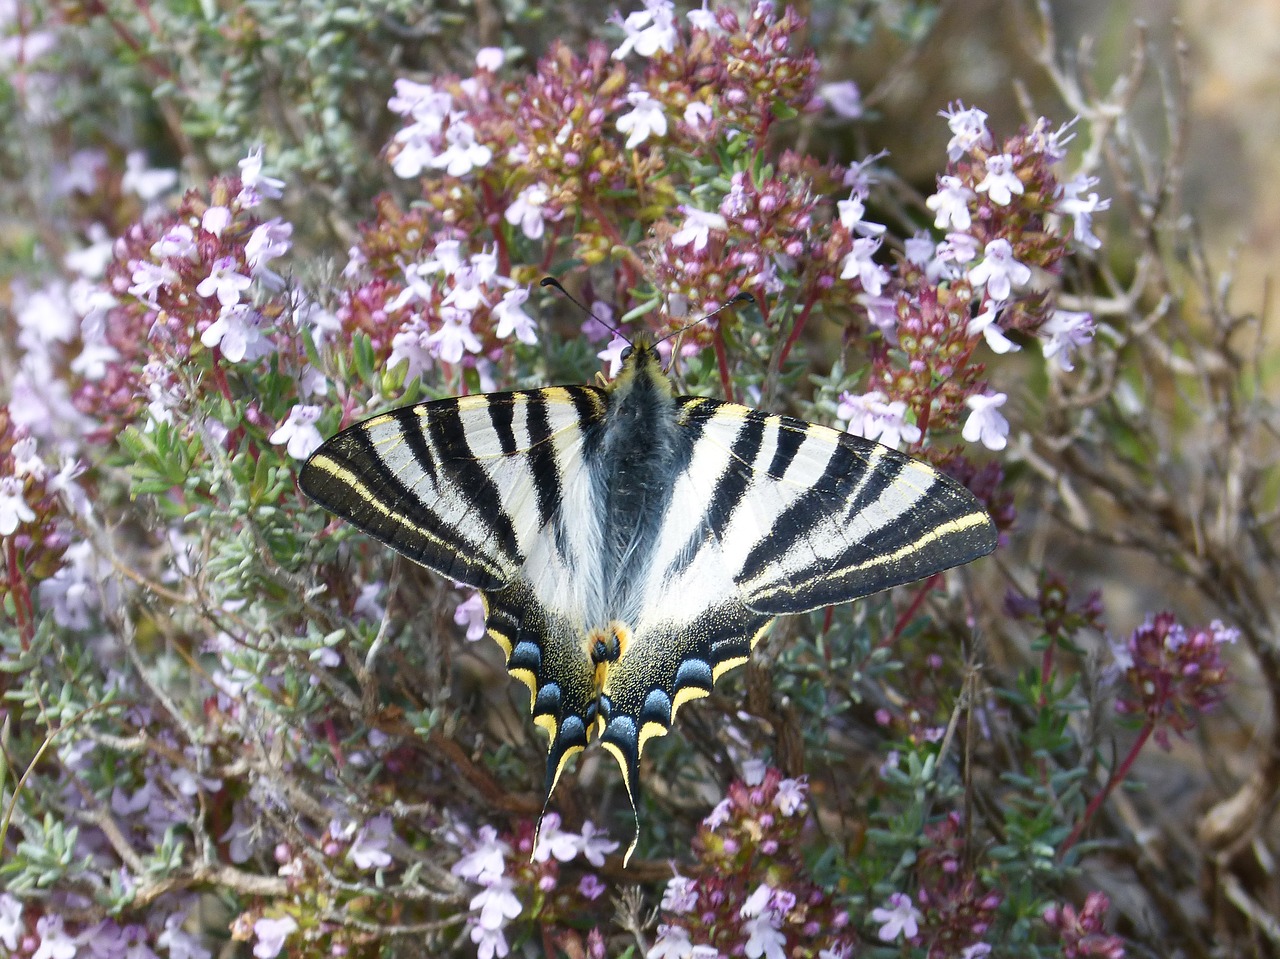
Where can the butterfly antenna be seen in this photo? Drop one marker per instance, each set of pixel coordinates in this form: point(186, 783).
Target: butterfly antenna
point(552, 282)
point(742, 297)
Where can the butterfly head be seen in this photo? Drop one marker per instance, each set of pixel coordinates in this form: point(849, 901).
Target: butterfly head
point(641, 371)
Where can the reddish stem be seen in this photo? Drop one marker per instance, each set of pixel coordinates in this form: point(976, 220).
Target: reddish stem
point(1117, 776)
point(796, 329)
point(910, 612)
point(722, 360)
point(21, 595)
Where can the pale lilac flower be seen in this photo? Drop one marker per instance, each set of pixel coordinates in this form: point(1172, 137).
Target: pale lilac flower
point(646, 117)
point(999, 271)
point(73, 591)
point(490, 943)
point(900, 919)
point(985, 323)
point(753, 771)
point(852, 212)
point(148, 278)
point(11, 926)
point(1223, 634)
point(951, 204)
point(764, 938)
point(612, 354)
point(298, 432)
point(873, 417)
point(976, 951)
point(178, 243)
point(470, 613)
point(454, 336)
point(680, 895)
point(215, 220)
point(958, 248)
point(1082, 209)
point(513, 319)
point(267, 242)
point(790, 796)
point(595, 845)
point(554, 841)
point(13, 505)
point(26, 461)
point(703, 19)
point(919, 249)
point(255, 184)
point(591, 886)
point(369, 850)
point(417, 151)
point(859, 264)
point(672, 943)
point(236, 333)
point(844, 98)
point(697, 227)
point(485, 863)
point(968, 129)
point(420, 100)
point(698, 114)
point(718, 816)
point(1065, 331)
point(90, 262)
point(598, 325)
point(468, 292)
point(882, 313)
point(239, 836)
point(271, 935)
point(54, 941)
point(94, 357)
point(463, 154)
point(528, 211)
point(147, 183)
point(1001, 182)
point(224, 282)
point(490, 58)
point(986, 423)
point(649, 30)
point(496, 903)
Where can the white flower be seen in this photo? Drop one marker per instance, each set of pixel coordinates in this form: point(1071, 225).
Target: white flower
point(968, 128)
point(951, 204)
point(271, 935)
point(528, 212)
point(421, 101)
point(256, 185)
point(999, 271)
point(1082, 209)
point(148, 278)
point(649, 30)
point(645, 118)
point(764, 938)
point(1065, 331)
point(369, 850)
point(681, 895)
point(790, 796)
point(859, 264)
point(13, 505)
point(595, 845)
point(1001, 182)
point(852, 212)
point(236, 333)
point(672, 943)
point(490, 58)
point(470, 613)
point(844, 98)
point(719, 815)
point(454, 336)
point(697, 228)
point(10, 921)
point(496, 903)
point(900, 919)
point(215, 220)
point(178, 243)
point(513, 319)
point(468, 292)
point(985, 323)
point(54, 941)
point(267, 241)
point(753, 771)
point(698, 114)
point(463, 153)
point(224, 282)
point(148, 184)
point(976, 951)
point(986, 423)
point(298, 433)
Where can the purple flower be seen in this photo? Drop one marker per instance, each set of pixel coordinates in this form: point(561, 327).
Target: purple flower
point(236, 333)
point(11, 927)
point(697, 228)
point(256, 185)
point(271, 935)
point(649, 30)
point(178, 243)
point(900, 919)
point(870, 416)
point(859, 264)
point(298, 433)
point(1065, 331)
point(54, 941)
point(267, 242)
point(470, 613)
point(485, 863)
point(595, 845)
point(672, 943)
point(215, 220)
point(790, 796)
point(591, 886)
point(852, 212)
point(844, 98)
point(528, 211)
point(513, 319)
point(463, 154)
point(951, 204)
point(554, 841)
point(613, 353)
point(681, 895)
point(490, 58)
point(764, 937)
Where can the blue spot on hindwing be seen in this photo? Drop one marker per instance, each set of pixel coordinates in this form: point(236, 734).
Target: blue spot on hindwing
point(656, 708)
point(694, 672)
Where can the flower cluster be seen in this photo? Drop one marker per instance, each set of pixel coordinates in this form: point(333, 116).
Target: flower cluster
point(1054, 610)
point(1081, 933)
point(1172, 674)
point(719, 908)
point(535, 871)
point(957, 906)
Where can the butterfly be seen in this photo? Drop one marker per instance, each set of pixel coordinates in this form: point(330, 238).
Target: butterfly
point(631, 545)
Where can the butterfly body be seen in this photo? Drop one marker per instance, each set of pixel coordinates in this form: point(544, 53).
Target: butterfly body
point(632, 545)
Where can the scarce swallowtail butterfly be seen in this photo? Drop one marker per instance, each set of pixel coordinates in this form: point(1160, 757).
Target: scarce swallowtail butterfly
point(632, 545)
